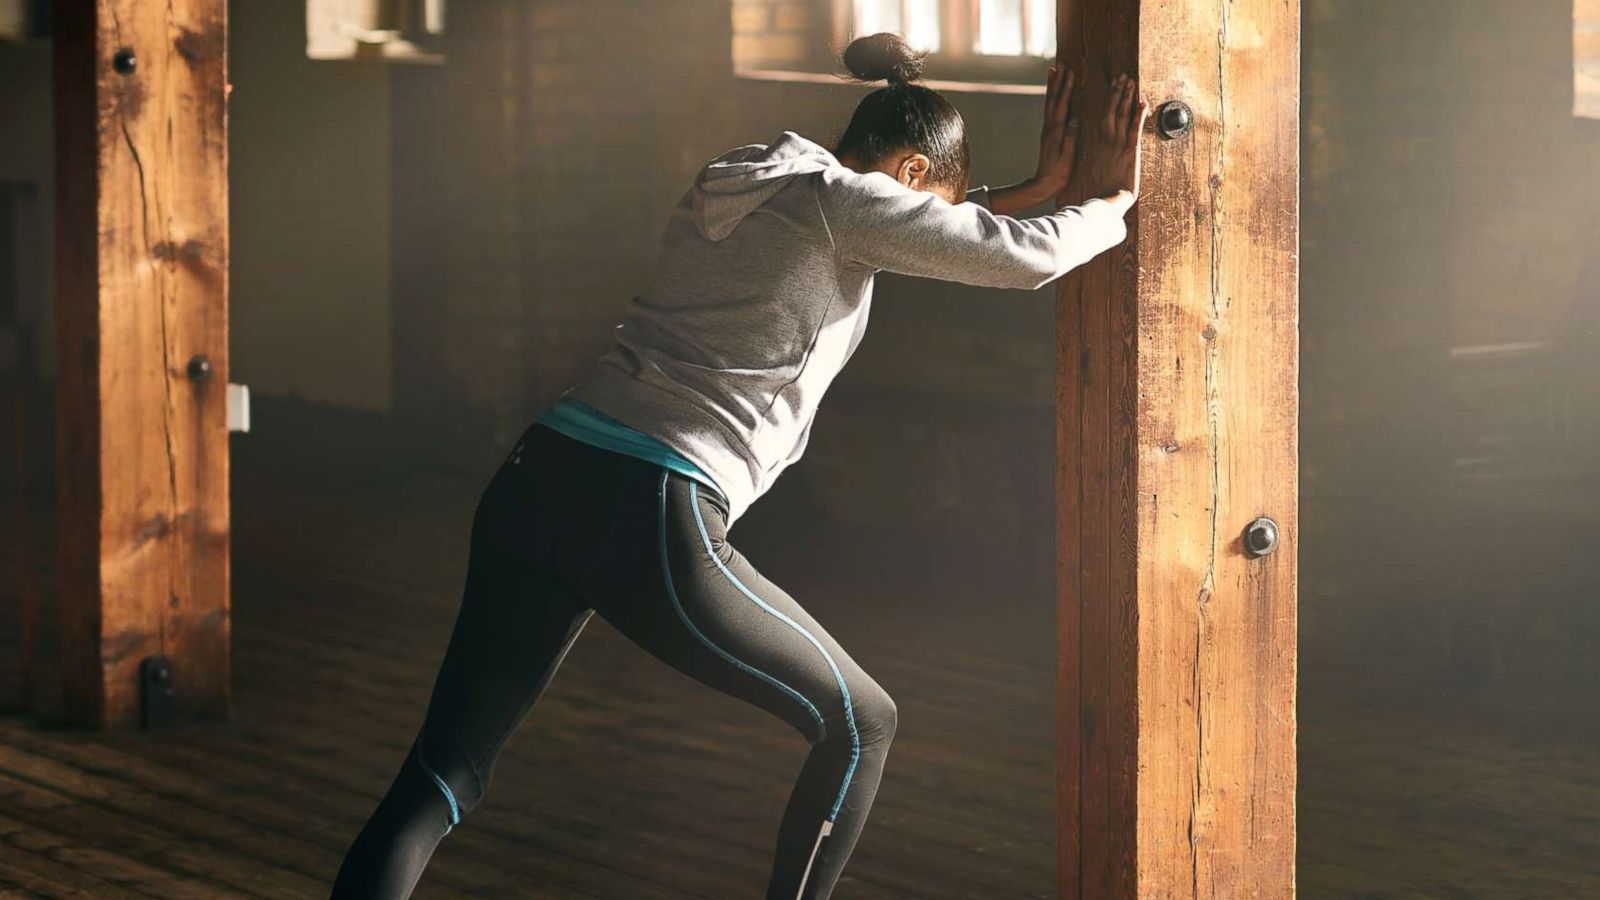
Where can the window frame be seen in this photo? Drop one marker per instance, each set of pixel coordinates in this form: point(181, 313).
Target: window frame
point(960, 70)
point(955, 59)
point(415, 36)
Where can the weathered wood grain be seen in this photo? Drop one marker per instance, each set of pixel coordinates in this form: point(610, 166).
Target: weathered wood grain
point(1177, 389)
point(142, 272)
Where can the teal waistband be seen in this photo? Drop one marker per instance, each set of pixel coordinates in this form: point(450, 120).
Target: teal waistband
point(582, 422)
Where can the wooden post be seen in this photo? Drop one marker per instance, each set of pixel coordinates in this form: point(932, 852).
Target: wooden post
point(142, 275)
point(1177, 389)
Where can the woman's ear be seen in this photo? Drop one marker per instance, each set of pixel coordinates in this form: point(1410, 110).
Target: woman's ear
point(913, 171)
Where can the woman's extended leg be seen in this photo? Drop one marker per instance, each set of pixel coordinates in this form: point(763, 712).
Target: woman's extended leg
point(515, 625)
point(673, 585)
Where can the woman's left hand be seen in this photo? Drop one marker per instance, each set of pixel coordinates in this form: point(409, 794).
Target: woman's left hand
point(1058, 140)
point(1058, 148)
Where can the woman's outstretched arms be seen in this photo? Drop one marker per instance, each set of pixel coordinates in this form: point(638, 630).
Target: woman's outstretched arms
point(876, 221)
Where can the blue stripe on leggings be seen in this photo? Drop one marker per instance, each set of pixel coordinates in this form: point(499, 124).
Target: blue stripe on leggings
point(849, 712)
point(672, 592)
point(449, 795)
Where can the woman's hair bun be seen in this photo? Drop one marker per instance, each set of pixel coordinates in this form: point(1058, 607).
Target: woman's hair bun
point(883, 57)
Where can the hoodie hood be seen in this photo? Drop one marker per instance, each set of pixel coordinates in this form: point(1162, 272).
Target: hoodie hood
point(736, 183)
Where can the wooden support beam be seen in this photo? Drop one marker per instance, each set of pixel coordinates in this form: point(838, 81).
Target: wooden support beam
point(142, 276)
point(1178, 403)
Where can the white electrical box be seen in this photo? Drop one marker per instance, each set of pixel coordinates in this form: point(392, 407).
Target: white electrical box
point(238, 407)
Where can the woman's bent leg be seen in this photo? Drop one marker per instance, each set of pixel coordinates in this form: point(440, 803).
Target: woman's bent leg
point(679, 590)
point(515, 625)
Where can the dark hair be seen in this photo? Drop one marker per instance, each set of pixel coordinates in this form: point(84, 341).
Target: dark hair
point(905, 115)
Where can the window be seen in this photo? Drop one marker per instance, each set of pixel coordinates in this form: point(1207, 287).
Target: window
point(393, 30)
point(998, 45)
point(1586, 58)
point(960, 28)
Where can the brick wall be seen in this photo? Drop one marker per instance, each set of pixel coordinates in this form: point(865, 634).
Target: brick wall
point(772, 34)
point(532, 185)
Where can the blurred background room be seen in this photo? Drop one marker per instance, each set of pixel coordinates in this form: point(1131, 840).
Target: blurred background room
point(437, 218)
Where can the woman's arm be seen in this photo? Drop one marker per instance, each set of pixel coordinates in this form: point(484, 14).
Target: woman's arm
point(876, 221)
point(1058, 146)
point(1058, 142)
point(1026, 194)
point(1013, 198)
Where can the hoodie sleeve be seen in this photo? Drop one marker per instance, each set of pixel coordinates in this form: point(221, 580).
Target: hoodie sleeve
point(878, 222)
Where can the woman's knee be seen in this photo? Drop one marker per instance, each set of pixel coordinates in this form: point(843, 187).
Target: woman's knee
point(463, 782)
point(876, 715)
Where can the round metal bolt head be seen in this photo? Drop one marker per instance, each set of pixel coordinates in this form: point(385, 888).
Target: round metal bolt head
point(1174, 119)
point(1261, 537)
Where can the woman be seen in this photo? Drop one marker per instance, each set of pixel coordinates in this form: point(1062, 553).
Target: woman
point(619, 499)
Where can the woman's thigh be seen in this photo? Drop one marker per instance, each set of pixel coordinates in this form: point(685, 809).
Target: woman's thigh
point(669, 580)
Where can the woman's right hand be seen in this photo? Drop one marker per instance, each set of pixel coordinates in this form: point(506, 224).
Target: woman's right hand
point(1111, 145)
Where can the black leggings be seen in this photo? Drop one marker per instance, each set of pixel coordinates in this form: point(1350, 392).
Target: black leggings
point(562, 531)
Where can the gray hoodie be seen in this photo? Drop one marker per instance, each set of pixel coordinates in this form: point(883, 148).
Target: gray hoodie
point(761, 291)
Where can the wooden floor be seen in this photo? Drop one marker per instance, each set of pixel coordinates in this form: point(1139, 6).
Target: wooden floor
point(629, 781)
